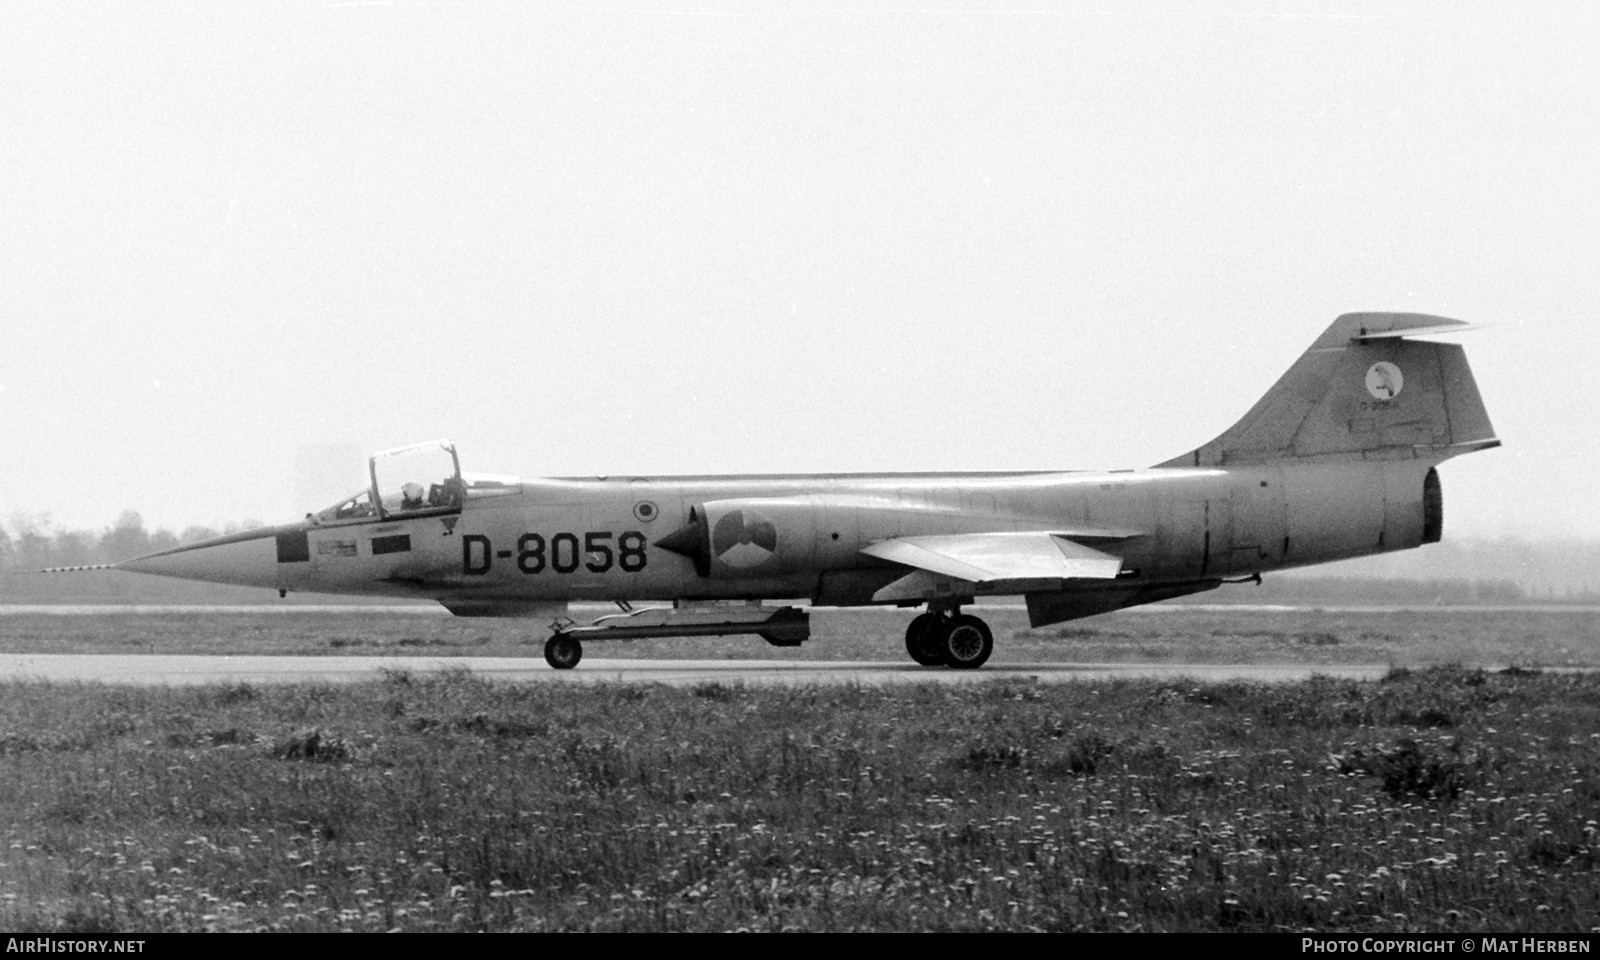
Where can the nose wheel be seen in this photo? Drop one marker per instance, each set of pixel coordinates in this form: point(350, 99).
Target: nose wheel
point(563, 651)
point(958, 641)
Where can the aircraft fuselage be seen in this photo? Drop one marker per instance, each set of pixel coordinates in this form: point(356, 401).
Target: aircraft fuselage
point(566, 539)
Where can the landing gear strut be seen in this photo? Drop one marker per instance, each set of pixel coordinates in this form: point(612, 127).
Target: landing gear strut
point(950, 638)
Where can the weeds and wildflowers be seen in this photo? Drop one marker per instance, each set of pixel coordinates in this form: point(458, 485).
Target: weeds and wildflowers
point(451, 803)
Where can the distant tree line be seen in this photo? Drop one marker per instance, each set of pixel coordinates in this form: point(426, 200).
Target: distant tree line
point(1302, 588)
point(32, 542)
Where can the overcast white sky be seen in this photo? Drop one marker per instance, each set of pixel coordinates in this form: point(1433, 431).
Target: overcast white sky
point(770, 237)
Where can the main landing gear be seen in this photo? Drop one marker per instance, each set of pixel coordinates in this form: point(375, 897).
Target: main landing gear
point(947, 637)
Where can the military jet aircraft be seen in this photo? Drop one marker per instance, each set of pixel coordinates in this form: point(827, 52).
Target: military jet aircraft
point(1337, 460)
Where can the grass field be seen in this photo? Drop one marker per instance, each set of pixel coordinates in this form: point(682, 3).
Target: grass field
point(1523, 637)
point(1438, 800)
point(1442, 799)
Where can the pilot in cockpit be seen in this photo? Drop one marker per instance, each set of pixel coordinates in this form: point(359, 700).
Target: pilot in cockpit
point(411, 496)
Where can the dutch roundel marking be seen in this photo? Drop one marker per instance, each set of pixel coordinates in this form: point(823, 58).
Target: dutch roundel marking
point(1385, 381)
point(646, 511)
point(744, 539)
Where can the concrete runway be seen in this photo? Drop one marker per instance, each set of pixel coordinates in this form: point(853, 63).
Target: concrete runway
point(158, 670)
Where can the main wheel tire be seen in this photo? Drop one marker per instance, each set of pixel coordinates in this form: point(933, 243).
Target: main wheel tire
point(922, 640)
point(563, 651)
point(967, 643)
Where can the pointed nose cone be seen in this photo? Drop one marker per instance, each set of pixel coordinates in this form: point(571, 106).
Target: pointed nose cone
point(249, 558)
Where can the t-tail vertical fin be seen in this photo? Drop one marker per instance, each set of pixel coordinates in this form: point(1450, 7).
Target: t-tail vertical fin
point(1365, 390)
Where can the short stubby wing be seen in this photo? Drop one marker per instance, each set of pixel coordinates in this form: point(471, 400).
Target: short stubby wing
point(1003, 562)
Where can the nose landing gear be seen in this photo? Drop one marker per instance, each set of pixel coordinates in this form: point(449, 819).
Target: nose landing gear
point(950, 638)
point(563, 651)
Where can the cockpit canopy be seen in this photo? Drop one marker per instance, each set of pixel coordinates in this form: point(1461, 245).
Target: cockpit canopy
point(420, 480)
point(357, 507)
point(425, 477)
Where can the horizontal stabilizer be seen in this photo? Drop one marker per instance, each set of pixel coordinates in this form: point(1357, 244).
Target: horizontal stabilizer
point(1413, 332)
point(981, 558)
point(1363, 327)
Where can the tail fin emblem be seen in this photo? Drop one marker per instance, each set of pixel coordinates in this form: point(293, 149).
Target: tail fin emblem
point(1385, 381)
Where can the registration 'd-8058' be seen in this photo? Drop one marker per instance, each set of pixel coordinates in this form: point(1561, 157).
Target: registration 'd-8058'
point(596, 551)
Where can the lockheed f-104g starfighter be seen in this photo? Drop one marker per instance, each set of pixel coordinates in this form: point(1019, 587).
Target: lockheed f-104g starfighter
point(1339, 459)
